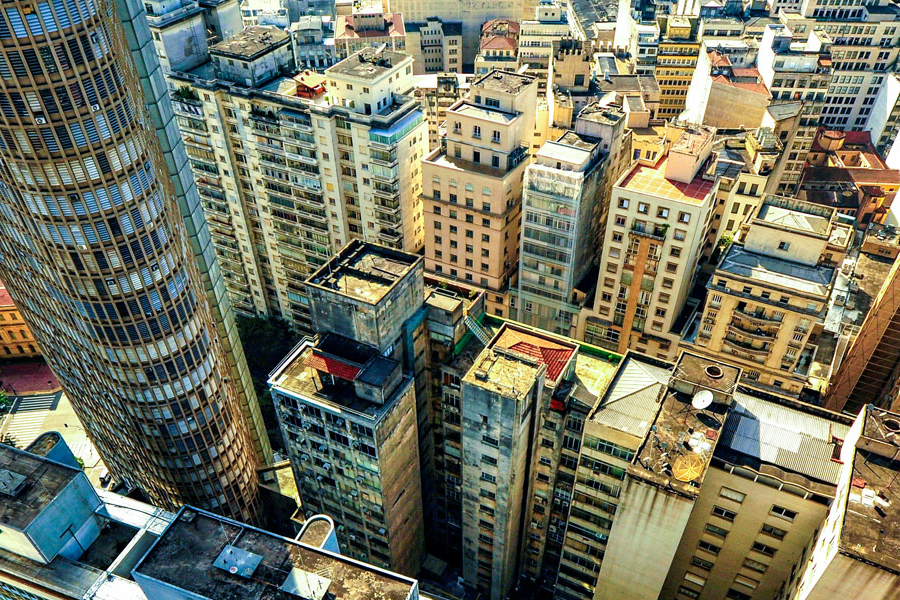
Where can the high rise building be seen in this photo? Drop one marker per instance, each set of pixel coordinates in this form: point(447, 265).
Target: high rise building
point(659, 218)
point(347, 404)
point(771, 290)
point(868, 373)
point(562, 222)
point(183, 29)
point(866, 48)
point(473, 14)
point(98, 257)
point(498, 48)
point(537, 35)
point(797, 75)
point(472, 195)
point(367, 28)
point(676, 59)
point(291, 168)
point(437, 93)
point(436, 47)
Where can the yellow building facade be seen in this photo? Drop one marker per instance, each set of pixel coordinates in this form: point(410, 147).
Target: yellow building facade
point(15, 337)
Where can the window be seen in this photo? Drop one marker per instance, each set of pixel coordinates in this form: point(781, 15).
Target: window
point(684, 217)
point(773, 531)
point(488, 477)
point(623, 202)
point(732, 495)
point(476, 131)
point(716, 531)
point(495, 137)
point(746, 582)
point(763, 549)
point(680, 235)
point(755, 565)
point(784, 513)
point(662, 213)
point(736, 595)
point(784, 245)
point(685, 591)
point(701, 563)
point(711, 548)
point(643, 208)
point(695, 579)
point(724, 513)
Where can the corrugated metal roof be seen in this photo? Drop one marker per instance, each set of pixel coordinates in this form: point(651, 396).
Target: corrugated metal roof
point(782, 436)
point(632, 400)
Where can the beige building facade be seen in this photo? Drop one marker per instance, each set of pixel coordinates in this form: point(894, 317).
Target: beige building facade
point(473, 184)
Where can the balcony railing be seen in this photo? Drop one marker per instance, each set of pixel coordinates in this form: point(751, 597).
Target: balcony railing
point(756, 333)
point(654, 232)
point(761, 317)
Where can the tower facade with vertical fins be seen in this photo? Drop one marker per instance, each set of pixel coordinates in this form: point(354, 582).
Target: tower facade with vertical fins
point(97, 256)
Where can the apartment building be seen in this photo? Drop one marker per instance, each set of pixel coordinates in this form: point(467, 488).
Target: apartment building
point(620, 87)
point(866, 40)
point(473, 14)
point(743, 164)
point(182, 30)
point(797, 74)
point(855, 550)
point(346, 403)
point(437, 93)
point(616, 545)
point(498, 48)
point(562, 221)
point(884, 121)
point(473, 184)
point(771, 291)
point(436, 47)
point(867, 374)
point(569, 87)
point(663, 509)
point(368, 28)
point(659, 217)
point(676, 59)
point(548, 26)
point(292, 168)
point(725, 94)
point(312, 42)
point(844, 170)
point(16, 340)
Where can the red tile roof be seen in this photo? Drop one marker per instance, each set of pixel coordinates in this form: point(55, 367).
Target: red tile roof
point(332, 366)
point(498, 42)
point(548, 352)
point(749, 85)
point(651, 180)
point(717, 59)
point(346, 27)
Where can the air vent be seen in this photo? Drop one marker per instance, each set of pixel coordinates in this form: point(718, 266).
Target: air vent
point(11, 483)
point(237, 561)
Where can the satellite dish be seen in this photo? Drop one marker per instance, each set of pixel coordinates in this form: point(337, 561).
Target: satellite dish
point(702, 399)
point(688, 467)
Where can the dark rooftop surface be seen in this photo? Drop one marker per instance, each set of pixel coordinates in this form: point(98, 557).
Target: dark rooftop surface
point(364, 271)
point(328, 377)
point(185, 554)
point(27, 485)
point(112, 540)
point(504, 81)
point(368, 64)
point(250, 43)
point(871, 520)
point(629, 83)
point(679, 446)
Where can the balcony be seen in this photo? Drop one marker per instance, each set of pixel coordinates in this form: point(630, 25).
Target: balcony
point(760, 318)
point(387, 208)
point(755, 333)
point(390, 236)
point(388, 160)
point(743, 348)
point(654, 232)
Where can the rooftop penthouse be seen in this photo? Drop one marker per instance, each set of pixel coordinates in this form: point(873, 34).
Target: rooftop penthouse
point(209, 557)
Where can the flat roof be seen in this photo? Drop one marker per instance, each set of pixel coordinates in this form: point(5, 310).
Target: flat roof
point(571, 149)
point(368, 64)
point(651, 180)
point(325, 373)
point(470, 109)
point(186, 554)
point(785, 274)
point(678, 452)
point(791, 218)
point(871, 529)
point(250, 43)
point(504, 81)
point(28, 483)
point(364, 271)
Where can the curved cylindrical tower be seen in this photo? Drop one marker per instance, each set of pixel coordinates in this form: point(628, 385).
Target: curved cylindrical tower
point(96, 256)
